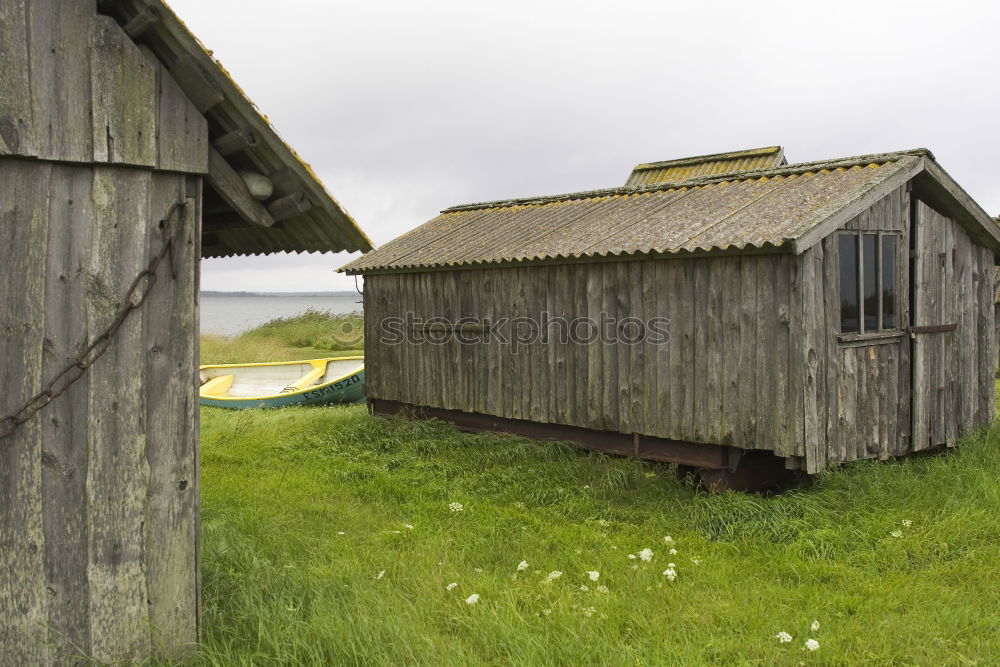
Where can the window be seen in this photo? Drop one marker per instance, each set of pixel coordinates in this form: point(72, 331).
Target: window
point(849, 309)
point(888, 281)
point(867, 282)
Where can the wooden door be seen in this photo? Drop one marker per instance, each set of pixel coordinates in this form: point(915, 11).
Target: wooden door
point(937, 291)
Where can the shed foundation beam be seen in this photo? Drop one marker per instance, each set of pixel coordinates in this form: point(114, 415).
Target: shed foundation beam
point(695, 454)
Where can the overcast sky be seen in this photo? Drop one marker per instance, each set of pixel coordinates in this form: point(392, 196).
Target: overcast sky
point(406, 108)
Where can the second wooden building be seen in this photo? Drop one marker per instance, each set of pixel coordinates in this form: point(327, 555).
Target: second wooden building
point(714, 311)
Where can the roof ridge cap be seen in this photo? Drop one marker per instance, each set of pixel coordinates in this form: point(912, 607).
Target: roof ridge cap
point(694, 159)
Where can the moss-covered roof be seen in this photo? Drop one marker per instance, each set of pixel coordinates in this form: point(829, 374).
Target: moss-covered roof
point(761, 210)
point(687, 168)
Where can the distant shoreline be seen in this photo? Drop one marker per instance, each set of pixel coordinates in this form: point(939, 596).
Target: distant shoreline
point(345, 293)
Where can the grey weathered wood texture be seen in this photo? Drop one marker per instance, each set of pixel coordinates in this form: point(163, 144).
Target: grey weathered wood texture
point(871, 400)
point(78, 89)
point(953, 278)
point(24, 225)
point(103, 128)
point(755, 358)
point(98, 516)
point(693, 387)
point(98, 523)
point(860, 388)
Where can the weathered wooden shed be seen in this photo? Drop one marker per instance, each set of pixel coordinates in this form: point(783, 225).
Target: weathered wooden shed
point(813, 313)
point(121, 141)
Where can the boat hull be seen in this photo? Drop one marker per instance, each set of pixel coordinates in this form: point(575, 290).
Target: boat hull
point(346, 389)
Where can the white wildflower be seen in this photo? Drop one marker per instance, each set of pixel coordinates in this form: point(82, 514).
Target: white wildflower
point(584, 588)
point(603, 522)
point(696, 561)
point(380, 574)
point(546, 612)
point(815, 626)
point(472, 599)
point(553, 575)
point(602, 589)
point(783, 637)
point(523, 565)
point(589, 611)
point(451, 586)
point(811, 644)
point(594, 575)
point(896, 533)
point(907, 523)
point(408, 526)
point(668, 539)
point(672, 552)
point(455, 507)
point(631, 556)
point(670, 573)
point(340, 532)
point(646, 554)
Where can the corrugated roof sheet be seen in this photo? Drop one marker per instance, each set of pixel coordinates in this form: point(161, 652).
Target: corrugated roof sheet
point(687, 168)
point(764, 209)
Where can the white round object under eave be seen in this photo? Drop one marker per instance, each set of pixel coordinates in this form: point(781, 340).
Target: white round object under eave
point(259, 185)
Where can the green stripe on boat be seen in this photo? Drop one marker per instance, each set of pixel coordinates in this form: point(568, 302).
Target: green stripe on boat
point(278, 384)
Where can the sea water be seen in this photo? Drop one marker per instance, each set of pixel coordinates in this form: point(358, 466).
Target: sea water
point(231, 315)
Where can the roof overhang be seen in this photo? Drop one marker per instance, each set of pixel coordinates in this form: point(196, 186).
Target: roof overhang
point(300, 215)
point(933, 184)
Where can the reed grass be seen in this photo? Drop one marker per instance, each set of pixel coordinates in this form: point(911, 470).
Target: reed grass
point(310, 335)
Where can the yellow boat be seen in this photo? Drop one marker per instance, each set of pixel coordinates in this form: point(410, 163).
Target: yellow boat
point(277, 384)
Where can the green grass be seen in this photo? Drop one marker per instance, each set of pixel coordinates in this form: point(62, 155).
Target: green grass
point(307, 336)
point(315, 328)
point(283, 586)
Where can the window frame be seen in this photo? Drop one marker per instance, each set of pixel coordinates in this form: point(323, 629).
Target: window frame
point(881, 330)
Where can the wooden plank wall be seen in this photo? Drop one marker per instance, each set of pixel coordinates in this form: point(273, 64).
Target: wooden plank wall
point(862, 391)
point(98, 515)
point(857, 392)
point(753, 359)
point(77, 89)
point(952, 370)
point(722, 377)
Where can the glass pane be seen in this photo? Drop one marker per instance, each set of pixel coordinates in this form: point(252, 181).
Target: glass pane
point(849, 283)
point(888, 282)
point(870, 276)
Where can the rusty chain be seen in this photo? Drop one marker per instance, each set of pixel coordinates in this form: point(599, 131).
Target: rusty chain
point(134, 298)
